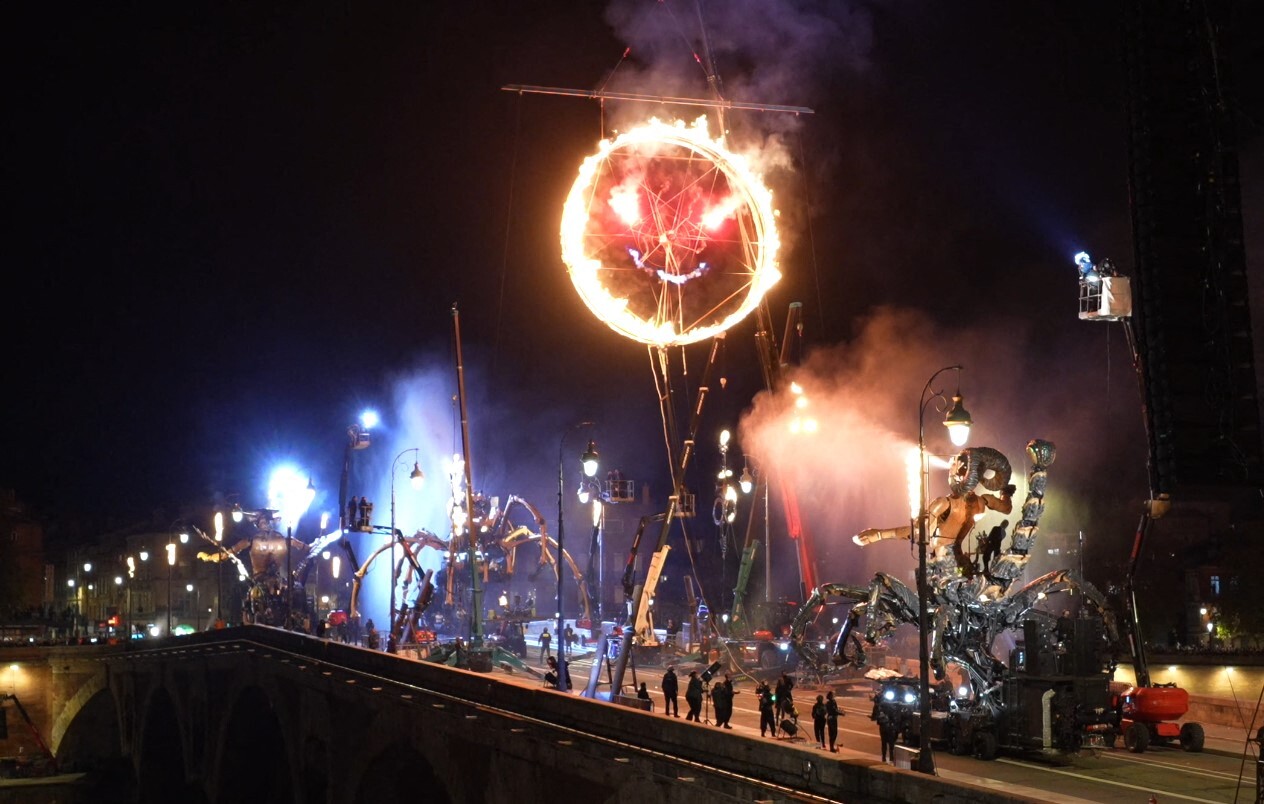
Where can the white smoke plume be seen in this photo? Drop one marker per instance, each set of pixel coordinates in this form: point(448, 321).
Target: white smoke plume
point(850, 471)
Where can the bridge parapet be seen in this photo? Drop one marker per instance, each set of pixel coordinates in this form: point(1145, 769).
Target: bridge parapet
point(218, 715)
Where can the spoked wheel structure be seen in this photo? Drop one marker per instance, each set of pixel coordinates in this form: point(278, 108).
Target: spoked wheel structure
point(669, 237)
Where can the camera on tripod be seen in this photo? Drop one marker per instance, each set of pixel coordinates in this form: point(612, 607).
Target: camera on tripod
point(710, 672)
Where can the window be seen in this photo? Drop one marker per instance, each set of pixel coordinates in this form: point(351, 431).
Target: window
point(1215, 586)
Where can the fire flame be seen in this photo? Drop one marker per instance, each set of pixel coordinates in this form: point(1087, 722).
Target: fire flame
point(669, 237)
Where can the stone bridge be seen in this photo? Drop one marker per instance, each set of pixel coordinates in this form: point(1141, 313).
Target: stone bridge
point(259, 714)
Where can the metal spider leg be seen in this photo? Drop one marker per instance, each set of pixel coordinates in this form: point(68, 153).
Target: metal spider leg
point(807, 649)
point(890, 604)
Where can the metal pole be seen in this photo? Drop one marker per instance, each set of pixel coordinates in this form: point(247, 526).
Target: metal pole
point(170, 567)
point(561, 536)
point(925, 756)
point(289, 581)
point(601, 568)
point(390, 622)
point(394, 581)
point(561, 576)
point(476, 586)
point(344, 480)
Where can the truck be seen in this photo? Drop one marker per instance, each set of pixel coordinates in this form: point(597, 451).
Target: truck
point(1054, 700)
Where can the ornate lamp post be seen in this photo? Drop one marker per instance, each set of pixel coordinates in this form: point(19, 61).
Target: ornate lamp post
point(416, 477)
point(589, 459)
point(958, 423)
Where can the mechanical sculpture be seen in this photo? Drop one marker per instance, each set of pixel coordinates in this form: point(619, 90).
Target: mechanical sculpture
point(265, 601)
point(498, 541)
point(969, 608)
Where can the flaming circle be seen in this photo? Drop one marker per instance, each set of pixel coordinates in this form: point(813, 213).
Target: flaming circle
point(669, 237)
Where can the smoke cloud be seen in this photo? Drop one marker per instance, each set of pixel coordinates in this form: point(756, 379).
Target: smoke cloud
point(850, 472)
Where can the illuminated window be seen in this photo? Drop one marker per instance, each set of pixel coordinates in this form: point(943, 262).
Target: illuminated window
point(1215, 586)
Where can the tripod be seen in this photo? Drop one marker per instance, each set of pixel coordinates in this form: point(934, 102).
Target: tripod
point(706, 702)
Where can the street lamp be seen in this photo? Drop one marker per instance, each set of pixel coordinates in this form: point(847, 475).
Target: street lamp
point(589, 460)
point(171, 563)
point(118, 585)
point(74, 606)
point(197, 605)
point(958, 423)
point(219, 565)
point(417, 478)
point(131, 577)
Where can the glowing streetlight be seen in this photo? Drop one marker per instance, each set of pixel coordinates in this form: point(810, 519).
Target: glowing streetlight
point(590, 459)
point(958, 423)
point(747, 480)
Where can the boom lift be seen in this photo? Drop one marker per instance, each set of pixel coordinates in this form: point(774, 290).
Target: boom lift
point(49, 762)
point(1147, 712)
point(756, 640)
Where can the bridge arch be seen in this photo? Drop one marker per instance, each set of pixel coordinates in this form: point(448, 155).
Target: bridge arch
point(400, 773)
point(86, 693)
point(161, 775)
point(93, 741)
point(253, 758)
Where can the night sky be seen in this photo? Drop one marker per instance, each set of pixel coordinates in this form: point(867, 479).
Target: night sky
point(232, 227)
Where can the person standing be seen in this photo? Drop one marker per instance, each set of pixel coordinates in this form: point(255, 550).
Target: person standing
point(718, 702)
point(673, 634)
point(693, 696)
point(990, 546)
point(670, 685)
point(545, 639)
point(785, 699)
point(767, 722)
point(887, 729)
point(832, 714)
point(818, 720)
point(722, 697)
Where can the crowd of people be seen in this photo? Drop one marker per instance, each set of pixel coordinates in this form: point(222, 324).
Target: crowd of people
point(778, 716)
point(709, 699)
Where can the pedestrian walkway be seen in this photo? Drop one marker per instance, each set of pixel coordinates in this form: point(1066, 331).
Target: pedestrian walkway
point(1229, 740)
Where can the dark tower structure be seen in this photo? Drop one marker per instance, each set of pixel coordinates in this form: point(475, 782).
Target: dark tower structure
point(1195, 342)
